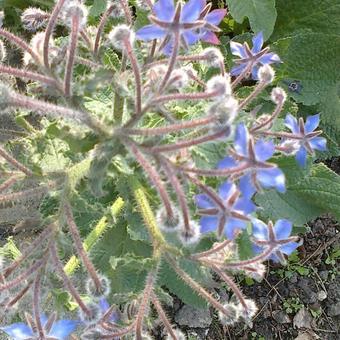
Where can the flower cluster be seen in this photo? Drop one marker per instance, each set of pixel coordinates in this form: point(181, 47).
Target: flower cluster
point(151, 137)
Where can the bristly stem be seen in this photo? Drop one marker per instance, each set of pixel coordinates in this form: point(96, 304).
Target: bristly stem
point(118, 105)
point(258, 89)
point(75, 26)
point(14, 162)
point(49, 29)
point(211, 251)
point(36, 305)
point(79, 247)
point(18, 296)
point(243, 74)
point(8, 183)
point(127, 12)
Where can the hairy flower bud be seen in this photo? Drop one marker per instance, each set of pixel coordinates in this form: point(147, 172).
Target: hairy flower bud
point(179, 79)
point(179, 335)
point(34, 18)
point(120, 34)
point(231, 316)
point(191, 236)
point(37, 45)
point(4, 97)
point(116, 9)
point(95, 314)
point(212, 57)
point(266, 74)
point(3, 53)
point(142, 4)
point(168, 224)
point(278, 95)
point(221, 85)
point(249, 312)
point(73, 8)
point(104, 289)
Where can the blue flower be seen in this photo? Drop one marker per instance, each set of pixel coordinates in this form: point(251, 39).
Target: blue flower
point(192, 22)
point(55, 329)
point(252, 59)
point(275, 237)
point(252, 158)
point(225, 212)
point(305, 137)
point(104, 307)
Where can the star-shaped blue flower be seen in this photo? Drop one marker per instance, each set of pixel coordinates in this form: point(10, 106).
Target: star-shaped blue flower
point(257, 172)
point(193, 22)
point(226, 213)
point(252, 59)
point(305, 137)
point(276, 237)
point(59, 330)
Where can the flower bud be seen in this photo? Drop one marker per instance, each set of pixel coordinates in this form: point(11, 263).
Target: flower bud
point(179, 79)
point(212, 57)
point(116, 9)
point(3, 53)
point(120, 34)
point(179, 335)
point(34, 18)
point(191, 236)
point(278, 95)
point(4, 97)
point(37, 45)
point(95, 314)
point(266, 74)
point(73, 8)
point(221, 85)
point(166, 223)
point(249, 312)
point(104, 289)
point(142, 4)
point(231, 316)
point(258, 272)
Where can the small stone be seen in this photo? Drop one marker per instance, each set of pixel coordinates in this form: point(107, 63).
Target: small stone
point(334, 310)
point(307, 336)
point(322, 295)
point(302, 319)
point(193, 317)
point(281, 317)
point(324, 275)
point(294, 278)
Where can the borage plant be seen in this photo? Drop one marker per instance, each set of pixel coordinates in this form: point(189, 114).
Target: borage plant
point(180, 122)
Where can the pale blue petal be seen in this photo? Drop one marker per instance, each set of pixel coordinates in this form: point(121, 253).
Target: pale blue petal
point(104, 305)
point(274, 258)
point(167, 50)
point(246, 186)
point(192, 10)
point(269, 58)
point(209, 37)
point(289, 247)
point(254, 72)
point(236, 70)
point(238, 49)
point(18, 331)
point(208, 223)
point(292, 124)
point(203, 201)
point(312, 122)
point(231, 226)
point(216, 16)
point(301, 156)
point(272, 177)
point(150, 32)
point(257, 43)
point(318, 143)
point(63, 328)
point(164, 9)
point(241, 140)
point(190, 37)
point(264, 150)
point(283, 229)
point(244, 205)
point(226, 189)
point(260, 230)
point(227, 162)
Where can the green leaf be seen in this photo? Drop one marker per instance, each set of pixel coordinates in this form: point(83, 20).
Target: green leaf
point(261, 13)
point(98, 8)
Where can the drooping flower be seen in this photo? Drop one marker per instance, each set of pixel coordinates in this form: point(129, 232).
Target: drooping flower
point(304, 137)
point(226, 213)
point(276, 237)
point(192, 23)
point(59, 330)
point(252, 59)
point(252, 160)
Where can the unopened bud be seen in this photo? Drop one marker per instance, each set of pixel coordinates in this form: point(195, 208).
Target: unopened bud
point(179, 79)
point(230, 316)
point(94, 315)
point(221, 85)
point(3, 53)
point(266, 74)
point(190, 236)
point(120, 34)
point(142, 4)
point(278, 95)
point(167, 223)
point(115, 9)
point(249, 312)
point(258, 271)
point(34, 18)
point(37, 45)
point(104, 288)
point(75, 8)
point(179, 335)
point(4, 97)
point(213, 57)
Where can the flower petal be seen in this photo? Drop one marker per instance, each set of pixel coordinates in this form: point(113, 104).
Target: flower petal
point(63, 328)
point(208, 223)
point(283, 229)
point(216, 16)
point(236, 70)
point(272, 177)
point(264, 150)
point(290, 247)
point(244, 205)
point(269, 58)
point(238, 49)
point(254, 72)
point(257, 43)
point(301, 157)
point(203, 201)
point(318, 143)
point(246, 186)
point(192, 10)
point(227, 162)
point(164, 9)
point(312, 122)
point(18, 331)
point(292, 124)
point(190, 37)
point(226, 189)
point(210, 37)
point(150, 32)
point(260, 230)
point(103, 305)
point(231, 226)
point(241, 140)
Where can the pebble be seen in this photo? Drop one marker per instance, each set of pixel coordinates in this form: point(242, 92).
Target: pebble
point(281, 317)
point(193, 317)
